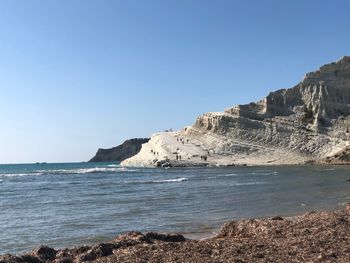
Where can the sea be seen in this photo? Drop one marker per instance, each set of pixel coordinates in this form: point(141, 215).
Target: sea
point(71, 204)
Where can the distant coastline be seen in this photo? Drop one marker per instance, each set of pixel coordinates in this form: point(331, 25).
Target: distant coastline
point(121, 152)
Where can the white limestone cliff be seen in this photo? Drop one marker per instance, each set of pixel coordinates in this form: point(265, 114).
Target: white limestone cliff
point(306, 123)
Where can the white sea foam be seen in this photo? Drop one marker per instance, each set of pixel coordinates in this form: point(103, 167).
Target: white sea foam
point(171, 180)
point(93, 170)
point(89, 170)
point(247, 183)
point(71, 171)
point(113, 165)
point(222, 175)
point(21, 174)
point(264, 173)
point(176, 180)
point(228, 175)
point(77, 171)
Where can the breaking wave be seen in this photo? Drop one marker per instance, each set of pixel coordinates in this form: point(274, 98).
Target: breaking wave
point(71, 171)
point(113, 165)
point(264, 173)
point(84, 170)
point(21, 174)
point(176, 180)
point(247, 183)
point(171, 180)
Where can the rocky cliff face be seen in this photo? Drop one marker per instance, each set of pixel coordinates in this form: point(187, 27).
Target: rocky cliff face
point(305, 123)
point(126, 150)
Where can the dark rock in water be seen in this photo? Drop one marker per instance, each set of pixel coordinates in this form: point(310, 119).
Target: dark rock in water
point(164, 163)
point(117, 154)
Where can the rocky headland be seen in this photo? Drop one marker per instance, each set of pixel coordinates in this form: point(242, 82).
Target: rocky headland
point(312, 237)
point(121, 152)
point(308, 123)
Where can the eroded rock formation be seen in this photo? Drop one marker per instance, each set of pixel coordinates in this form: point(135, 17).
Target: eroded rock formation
point(305, 123)
point(121, 152)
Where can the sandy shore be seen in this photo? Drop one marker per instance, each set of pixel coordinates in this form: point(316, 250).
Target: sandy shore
point(312, 237)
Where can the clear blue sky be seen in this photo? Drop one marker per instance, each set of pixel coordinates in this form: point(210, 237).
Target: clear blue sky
point(79, 75)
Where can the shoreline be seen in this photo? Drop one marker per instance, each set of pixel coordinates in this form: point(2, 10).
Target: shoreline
point(187, 164)
point(311, 237)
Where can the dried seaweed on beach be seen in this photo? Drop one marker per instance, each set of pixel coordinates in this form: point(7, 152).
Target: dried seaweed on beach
point(312, 237)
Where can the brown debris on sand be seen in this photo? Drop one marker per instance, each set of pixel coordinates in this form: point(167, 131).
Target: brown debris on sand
point(312, 237)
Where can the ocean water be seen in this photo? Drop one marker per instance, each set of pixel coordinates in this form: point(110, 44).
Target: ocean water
point(71, 204)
